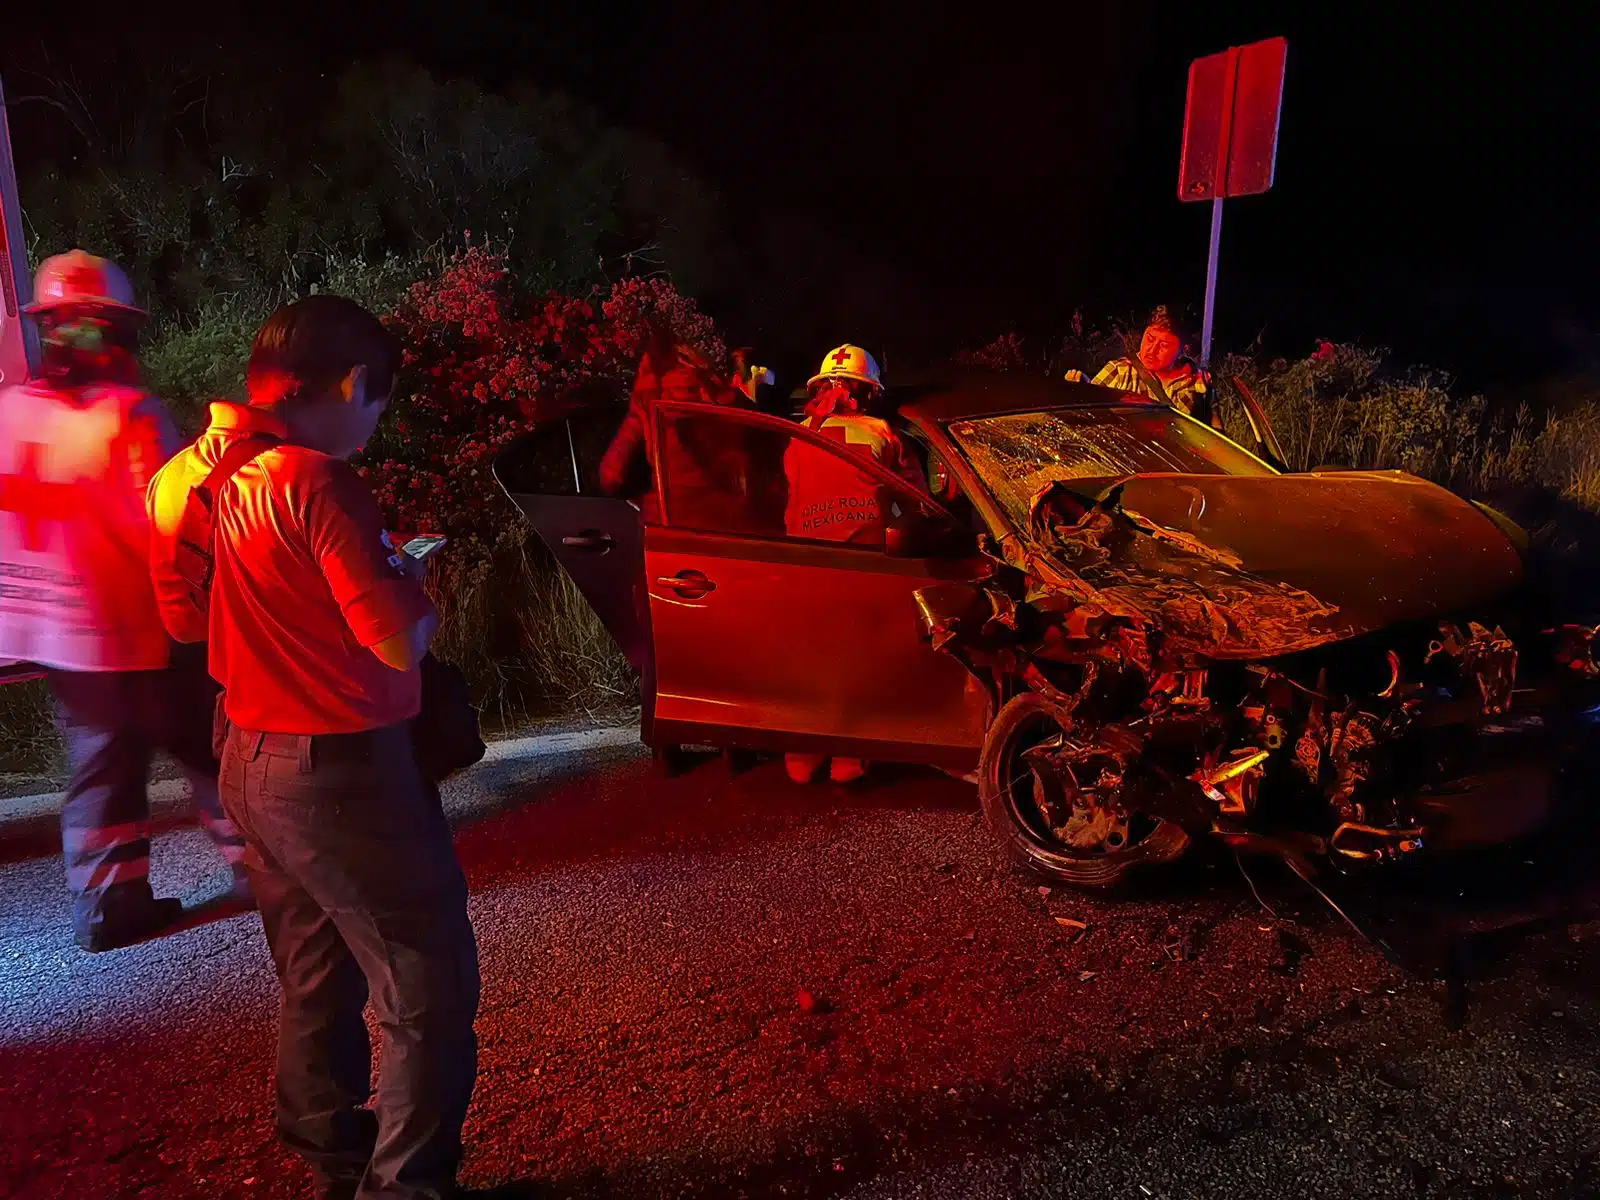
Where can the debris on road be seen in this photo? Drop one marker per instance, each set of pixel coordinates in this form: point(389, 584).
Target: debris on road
point(1069, 923)
point(1085, 976)
point(808, 1002)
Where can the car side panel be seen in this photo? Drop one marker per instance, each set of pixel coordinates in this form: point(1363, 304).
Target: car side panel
point(806, 645)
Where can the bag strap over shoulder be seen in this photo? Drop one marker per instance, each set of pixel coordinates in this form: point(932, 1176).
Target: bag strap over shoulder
point(200, 508)
point(234, 458)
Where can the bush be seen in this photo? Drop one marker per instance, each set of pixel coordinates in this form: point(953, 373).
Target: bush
point(190, 362)
point(487, 358)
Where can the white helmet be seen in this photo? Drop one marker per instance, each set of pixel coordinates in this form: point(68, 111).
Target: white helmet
point(80, 280)
point(848, 362)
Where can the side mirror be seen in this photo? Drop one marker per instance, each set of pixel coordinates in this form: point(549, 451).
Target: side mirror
point(913, 535)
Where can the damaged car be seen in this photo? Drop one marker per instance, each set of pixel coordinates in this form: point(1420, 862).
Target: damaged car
point(1133, 631)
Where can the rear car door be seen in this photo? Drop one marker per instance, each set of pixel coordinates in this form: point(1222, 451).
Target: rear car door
point(775, 639)
point(596, 539)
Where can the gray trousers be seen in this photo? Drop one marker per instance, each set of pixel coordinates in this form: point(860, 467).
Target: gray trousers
point(362, 898)
point(113, 722)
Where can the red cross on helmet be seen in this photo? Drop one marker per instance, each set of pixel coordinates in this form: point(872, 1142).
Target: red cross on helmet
point(848, 362)
point(80, 280)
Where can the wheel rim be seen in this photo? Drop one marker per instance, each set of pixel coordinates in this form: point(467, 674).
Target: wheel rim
point(1063, 795)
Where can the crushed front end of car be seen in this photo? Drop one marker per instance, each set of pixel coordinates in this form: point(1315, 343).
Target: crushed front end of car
point(1309, 665)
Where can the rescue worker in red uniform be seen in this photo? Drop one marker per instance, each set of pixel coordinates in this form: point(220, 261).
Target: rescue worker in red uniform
point(1160, 371)
point(827, 499)
point(77, 447)
point(317, 627)
point(707, 460)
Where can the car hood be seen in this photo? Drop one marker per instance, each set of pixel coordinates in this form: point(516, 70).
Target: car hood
point(1255, 566)
point(1378, 546)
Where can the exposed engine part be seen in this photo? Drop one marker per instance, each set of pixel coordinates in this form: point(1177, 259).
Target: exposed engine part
point(1065, 703)
point(1393, 689)
point(1178, 689)
point(1350, 745)
point(1489, 658)
point(1381, 843)
point(1233, 784)
point(1575, 649)
point(1268, 725)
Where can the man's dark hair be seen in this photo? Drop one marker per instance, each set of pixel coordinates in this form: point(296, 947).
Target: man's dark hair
point(310, 345)
point(1164, 318)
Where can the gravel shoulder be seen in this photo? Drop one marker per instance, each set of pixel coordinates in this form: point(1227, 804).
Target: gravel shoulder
point(724, 986)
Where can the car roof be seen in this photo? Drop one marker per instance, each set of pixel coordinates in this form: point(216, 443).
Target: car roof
point(952, 396)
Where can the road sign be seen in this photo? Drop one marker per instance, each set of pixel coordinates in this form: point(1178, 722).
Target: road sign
point(16, 336)
point(1230, 138)
point(1230, 126)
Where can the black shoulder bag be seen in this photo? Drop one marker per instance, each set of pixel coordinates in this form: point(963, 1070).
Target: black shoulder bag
point(444, 734)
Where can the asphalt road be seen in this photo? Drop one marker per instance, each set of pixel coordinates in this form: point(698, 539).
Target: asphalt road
point(727, 985)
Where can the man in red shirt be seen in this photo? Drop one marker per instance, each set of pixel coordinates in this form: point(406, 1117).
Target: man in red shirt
point(316, 626)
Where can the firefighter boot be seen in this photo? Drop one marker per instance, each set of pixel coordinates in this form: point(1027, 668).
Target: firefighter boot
point(123, 923)
point(846, 770)
point(802, 768)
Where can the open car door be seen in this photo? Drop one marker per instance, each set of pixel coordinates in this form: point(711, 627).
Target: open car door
point(16, 336)
point(769, 630)
point(17, 350)
point(551, 475)
point(1267, 448)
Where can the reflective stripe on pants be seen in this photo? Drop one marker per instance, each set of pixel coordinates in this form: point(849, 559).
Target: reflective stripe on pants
point(113, 722)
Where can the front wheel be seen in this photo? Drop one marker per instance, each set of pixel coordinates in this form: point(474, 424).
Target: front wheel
point(1055, 799)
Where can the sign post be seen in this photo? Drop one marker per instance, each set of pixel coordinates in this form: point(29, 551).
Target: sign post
point(1230, 139)
point(17, 352)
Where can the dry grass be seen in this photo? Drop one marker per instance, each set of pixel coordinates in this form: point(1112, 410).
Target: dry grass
point(29, 743)
point(528, 641)
point(1348, 410)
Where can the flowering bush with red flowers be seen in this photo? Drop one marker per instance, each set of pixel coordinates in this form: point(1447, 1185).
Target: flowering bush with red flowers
point(485, 360)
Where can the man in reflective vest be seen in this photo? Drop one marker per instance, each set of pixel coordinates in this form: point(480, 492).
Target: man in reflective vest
point(831, 501)
point(77, 448)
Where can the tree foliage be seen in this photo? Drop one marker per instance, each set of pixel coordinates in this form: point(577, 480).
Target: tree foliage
point(210, 177)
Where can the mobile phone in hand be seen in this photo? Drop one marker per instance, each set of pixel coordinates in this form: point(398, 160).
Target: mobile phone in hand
point(421, 547)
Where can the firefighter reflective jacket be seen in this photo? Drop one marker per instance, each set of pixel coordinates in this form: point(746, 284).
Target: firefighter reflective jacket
point(75, 589)
point(831, 500)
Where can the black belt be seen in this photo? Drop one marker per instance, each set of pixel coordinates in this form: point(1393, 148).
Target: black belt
point(292, 745)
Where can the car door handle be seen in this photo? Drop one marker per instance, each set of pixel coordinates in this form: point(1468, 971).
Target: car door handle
point(591, 540)
point(691, 585)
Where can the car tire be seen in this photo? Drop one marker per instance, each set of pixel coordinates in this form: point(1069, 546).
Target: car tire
point(1022, 716)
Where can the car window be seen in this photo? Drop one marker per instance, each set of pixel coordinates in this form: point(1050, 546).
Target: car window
point(1019, 453)
point(724, 474)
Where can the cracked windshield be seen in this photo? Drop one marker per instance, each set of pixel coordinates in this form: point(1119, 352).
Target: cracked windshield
point(1020, 453)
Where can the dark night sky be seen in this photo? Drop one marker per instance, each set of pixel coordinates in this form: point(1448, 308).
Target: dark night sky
point(1436, 177)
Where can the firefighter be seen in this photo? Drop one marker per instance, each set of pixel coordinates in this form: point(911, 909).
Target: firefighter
point(830, 501)
point(77, 447)
point(1160, 371)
